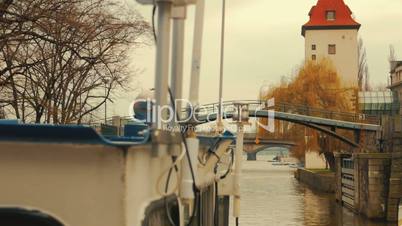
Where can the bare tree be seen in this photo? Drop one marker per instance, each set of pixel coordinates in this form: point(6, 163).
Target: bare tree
point(2, 113)
point(379, 87)
point(64, 59)
point(363, 74)
point(392, 55)
point(367, 86)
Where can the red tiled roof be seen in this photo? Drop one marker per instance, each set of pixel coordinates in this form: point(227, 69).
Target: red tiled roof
point(343, 18)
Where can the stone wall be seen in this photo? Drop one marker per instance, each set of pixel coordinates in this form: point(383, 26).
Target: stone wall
point(395, 187)
point(394, 143)
point(372, 173)
point(377, 176)
point(324, 182)
point(371, 183)
point(377, 182)
point(392, 133)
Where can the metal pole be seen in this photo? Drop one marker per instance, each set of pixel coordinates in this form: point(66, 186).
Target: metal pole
point(197, 51)
point(105, 104)
point(220, 125)
point(242, 120)
point(238, 168)
point(162, 61)
point(176, 83)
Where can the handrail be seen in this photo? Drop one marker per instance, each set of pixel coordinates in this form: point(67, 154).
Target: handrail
point(212, 108)
point(295, 108)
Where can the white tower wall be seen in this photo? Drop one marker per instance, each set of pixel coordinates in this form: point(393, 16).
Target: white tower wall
point(346, 57)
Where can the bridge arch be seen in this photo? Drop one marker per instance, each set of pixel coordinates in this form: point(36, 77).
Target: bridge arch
point(252, 148)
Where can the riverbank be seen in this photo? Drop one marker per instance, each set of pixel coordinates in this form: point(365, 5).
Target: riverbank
point(320, 180)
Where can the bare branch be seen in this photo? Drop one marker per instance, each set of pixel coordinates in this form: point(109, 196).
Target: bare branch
point(61, 55)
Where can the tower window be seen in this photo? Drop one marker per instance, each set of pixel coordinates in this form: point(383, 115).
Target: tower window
point(330, 15)
point(332, 49)
point(313, 57)
point(313, 47)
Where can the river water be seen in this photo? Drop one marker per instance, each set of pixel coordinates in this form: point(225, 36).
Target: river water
point(271, 196)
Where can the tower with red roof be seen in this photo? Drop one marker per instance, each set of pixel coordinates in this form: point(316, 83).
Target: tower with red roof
point(332, 33)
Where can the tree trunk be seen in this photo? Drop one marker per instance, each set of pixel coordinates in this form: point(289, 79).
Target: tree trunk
point(330, 158)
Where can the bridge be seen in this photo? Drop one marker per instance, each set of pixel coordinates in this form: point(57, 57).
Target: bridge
point(252, 147)
point(319, 119)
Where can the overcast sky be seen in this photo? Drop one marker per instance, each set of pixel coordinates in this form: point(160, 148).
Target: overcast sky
point(264, 43)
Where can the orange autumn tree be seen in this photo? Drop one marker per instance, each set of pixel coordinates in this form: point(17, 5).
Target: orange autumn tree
point(316, 85)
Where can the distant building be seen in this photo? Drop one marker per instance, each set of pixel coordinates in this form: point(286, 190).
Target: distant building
point(378, 103)
point(396, 81)
point(332, 33)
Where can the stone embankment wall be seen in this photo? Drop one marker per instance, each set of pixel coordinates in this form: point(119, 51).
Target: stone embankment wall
point(393, 144)
point(372, 173)
point(324, 182)
point(377, 177)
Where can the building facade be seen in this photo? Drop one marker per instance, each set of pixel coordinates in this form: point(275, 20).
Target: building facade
point(396, 82)
point(332, 33)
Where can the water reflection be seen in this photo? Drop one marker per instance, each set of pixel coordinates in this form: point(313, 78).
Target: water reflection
point(321, 209)
point(271, 196)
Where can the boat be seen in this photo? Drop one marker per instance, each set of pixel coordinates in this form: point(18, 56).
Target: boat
point(280, 164)
point(73, 175)
point(294, 165)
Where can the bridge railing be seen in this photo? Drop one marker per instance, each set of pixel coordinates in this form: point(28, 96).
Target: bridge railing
point(323, 113)
point(228, 107)
point(254, 105)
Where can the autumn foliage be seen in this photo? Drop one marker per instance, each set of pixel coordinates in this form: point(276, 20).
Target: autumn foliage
point(316, 85)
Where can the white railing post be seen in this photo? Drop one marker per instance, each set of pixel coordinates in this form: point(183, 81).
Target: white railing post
point(176, 83)
point(241, 119)
point(197, 52)
point(162, 60)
